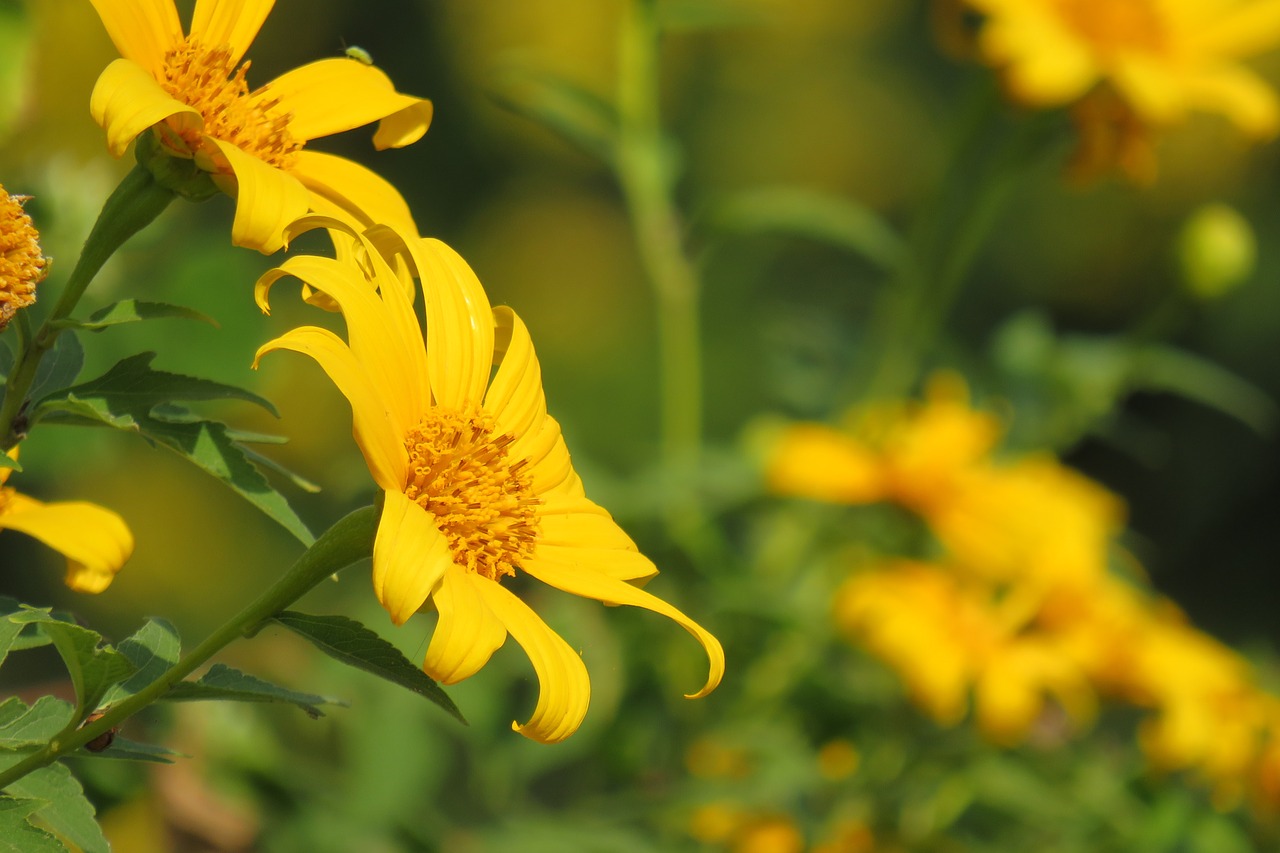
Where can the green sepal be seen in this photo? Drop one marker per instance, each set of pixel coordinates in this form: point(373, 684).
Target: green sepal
point(351, 643)
point(222, 682)
point(179, 175)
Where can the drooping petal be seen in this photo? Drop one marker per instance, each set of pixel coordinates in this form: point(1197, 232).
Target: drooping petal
point(95, 540)
point(335, 95)
point(234, 23)
point(353, 193)
point(459, 325)
point(404, 127)
point(564, 689)
point(142, 30)
point(590, 584)
point(410, 555)
point(267, 199)
point(127, 100)
point(1240, 95)
point(575, 531)
point(468, 632)
point(515, 398)
point(375, 434)
point(618, 563)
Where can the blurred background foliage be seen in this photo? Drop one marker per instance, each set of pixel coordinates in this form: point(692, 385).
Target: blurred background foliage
point(809, 744)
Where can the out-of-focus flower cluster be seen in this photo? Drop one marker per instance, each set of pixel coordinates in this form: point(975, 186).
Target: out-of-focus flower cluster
point(1023, 602)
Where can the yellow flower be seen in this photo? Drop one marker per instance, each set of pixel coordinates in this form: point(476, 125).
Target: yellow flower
point(191, 92)
point(477, 483)
point(95, 541)
point(1162, 58)
point(22, 265)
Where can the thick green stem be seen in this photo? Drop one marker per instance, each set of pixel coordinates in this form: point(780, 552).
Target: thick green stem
point(132, 206)
point(647, 175)
point(347, 541)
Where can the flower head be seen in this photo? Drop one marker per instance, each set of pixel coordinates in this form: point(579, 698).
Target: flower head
point(477, 481)
point(192, 91)
point(22, 265)
point(95, 541)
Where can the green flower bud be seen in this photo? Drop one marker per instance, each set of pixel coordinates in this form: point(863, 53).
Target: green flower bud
point(1217, 251)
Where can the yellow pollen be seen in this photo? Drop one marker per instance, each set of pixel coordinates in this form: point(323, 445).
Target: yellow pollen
point(205, 80)
point(1111, 26)
point(22, 266)
point(481, 500)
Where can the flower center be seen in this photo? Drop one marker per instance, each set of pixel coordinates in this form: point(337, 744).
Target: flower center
point(205, 80)
point(22, 266)
point(460, 473)
point(1116, 25)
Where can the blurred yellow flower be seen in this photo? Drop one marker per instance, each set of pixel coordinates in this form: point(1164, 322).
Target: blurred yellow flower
point(191, 92)
point(95, 541)
point(22, 264)
point(1161, 59)
point(477, 483)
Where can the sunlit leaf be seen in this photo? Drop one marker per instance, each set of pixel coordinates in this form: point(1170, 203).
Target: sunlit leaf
point(60, 366)
point(222, 682)
point(134, 311)
point(22, 726)
point(350, 642)
point(123, 749)
point(67, 811)
point(153, 650)
point(19, 836)
point(93, 668)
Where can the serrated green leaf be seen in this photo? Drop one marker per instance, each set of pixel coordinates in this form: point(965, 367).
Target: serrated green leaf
point(826, 218)
point(67, 811)
point(299, 482)
point(93, 667)
point(60, 366)
point(29, 636)
point(223, 682)
point(350, 642)
point(22, 726)
point(19, 836)
point(580, 117)
point(134, 311)
point(9, 630)
point(123, 749)
point(134, 397)
point(152, 650)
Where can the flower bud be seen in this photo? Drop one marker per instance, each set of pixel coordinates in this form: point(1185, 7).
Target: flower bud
point(22, 266)
point(1217, 251)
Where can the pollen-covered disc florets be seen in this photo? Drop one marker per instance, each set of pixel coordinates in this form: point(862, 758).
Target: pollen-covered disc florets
point(483, 501)
point(206, 80)
point(22, 265)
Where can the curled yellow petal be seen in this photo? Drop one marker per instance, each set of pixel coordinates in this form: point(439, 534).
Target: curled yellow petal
point(468, 632)
point(95, 540)
point(564, 689)
point(233, 23)
point(350, 192)
point(515, 397)
point(460, 322)
point(267, 199)
point(410, 556)
point(336, 95)
point(142, 30)
point(127, 100)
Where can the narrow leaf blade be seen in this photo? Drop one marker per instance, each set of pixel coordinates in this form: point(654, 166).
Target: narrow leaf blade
point(223, 682)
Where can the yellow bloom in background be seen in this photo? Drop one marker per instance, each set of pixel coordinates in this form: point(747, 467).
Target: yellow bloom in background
point(22, 264)
point(1152, 62)
point(192, 91)
point(95, 541)
point(476, 478)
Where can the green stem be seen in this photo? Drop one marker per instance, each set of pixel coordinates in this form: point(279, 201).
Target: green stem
point(646, 174)
point(132, 206)
point(347, 541)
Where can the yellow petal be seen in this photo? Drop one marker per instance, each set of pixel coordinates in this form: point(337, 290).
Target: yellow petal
point(372, 337)
point(1154, 93)
point(1043, 65)
point(127, 100)
point(335, 95)
point(618, 563)
point(234, 23)
point(468, 632)
point(142, 30)
point(588, 583)
point(564, 690)
point(353, 193)
point(95, 541)
point(549, 463)
point(1240, 95)
point(410, 555)
point(1253, 29)
point(5, 473)
point(404, 127)
point(380, 440)
point(459, 326)
point(818, 462)
point(267, 199)
point(515, 398)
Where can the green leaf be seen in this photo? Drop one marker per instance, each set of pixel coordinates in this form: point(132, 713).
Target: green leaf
point(9, 630)
point(350, 642)
point(19, 836)
point(134, 311)
point(67, 812)
point(1163, 368)
point(29, 636)
point(92, 666)
point(581, 117)
point(132, 396)
point(21, 726)
point(123, 749)
point(223, 682)
point(830, 219)
point(7, 461)
point(152, 650)
point(59, 368)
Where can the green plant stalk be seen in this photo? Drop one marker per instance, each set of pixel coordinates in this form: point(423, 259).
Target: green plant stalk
point(347, 541)
point(138, 200)
point(646, 174)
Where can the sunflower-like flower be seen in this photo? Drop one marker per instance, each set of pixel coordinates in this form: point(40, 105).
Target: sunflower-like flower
point(22, 264)
point(1158, 60)
point(95, 541)
point(192, 91)
point(477, 481)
